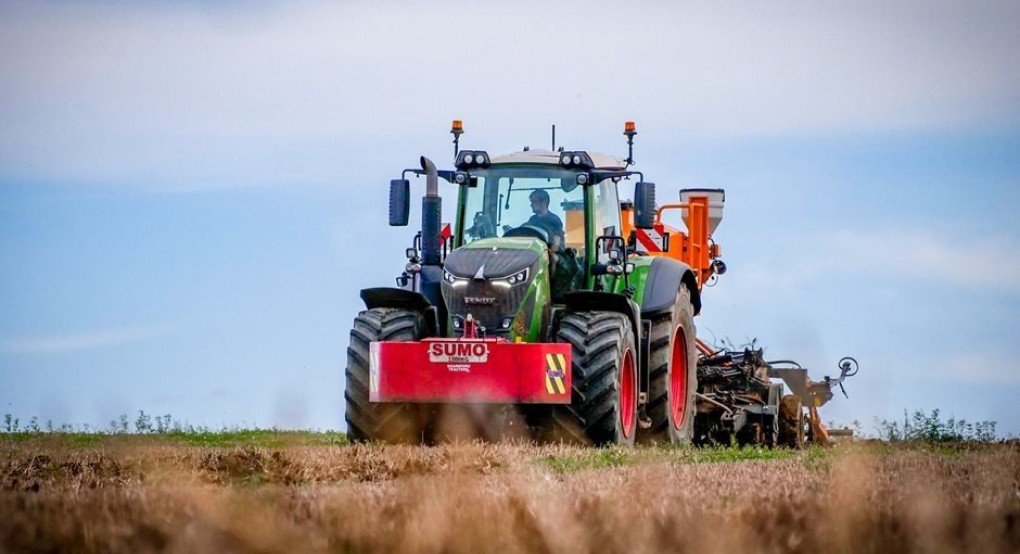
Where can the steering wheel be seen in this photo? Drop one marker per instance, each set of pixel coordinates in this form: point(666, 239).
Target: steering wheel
point(529, 231)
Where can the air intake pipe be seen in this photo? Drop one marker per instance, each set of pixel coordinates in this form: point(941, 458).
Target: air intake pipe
point(431, 215)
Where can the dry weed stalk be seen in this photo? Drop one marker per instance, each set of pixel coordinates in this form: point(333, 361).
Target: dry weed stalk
point(509, 498)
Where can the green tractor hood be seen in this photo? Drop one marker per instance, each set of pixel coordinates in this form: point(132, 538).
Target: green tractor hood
point(499, 282)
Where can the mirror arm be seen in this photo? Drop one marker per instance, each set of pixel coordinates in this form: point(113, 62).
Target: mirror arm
point(444, 174)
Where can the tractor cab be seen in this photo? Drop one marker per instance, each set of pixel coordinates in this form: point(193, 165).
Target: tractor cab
point(540, 195)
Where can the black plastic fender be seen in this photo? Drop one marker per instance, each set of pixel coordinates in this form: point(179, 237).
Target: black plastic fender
point(390, 297)
point(664, 278)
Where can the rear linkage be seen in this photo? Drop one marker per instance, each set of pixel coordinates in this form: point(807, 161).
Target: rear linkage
point(738, 402)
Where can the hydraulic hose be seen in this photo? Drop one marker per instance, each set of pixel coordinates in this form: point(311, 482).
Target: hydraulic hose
point(714, 401)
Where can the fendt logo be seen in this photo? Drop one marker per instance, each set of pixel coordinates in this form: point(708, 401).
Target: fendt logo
point(458, 352)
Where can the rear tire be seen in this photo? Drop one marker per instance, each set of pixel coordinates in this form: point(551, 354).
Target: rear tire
point(603, 406)
point(791, 421)
point(673, 374)
point(368, 421)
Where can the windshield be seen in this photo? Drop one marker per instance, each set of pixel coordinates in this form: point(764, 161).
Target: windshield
point(506, 199)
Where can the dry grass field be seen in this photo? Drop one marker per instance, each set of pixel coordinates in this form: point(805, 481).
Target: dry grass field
point(313, 493)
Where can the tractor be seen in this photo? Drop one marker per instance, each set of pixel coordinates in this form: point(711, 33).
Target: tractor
point(551, 310)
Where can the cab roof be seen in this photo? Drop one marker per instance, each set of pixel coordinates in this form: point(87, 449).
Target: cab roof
point(548, 157)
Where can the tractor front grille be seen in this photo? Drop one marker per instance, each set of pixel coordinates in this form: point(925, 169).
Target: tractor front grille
point(489, 305)
point(474, 298)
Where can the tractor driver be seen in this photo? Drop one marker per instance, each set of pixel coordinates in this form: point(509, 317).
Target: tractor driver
point(564, 267)
point(545, 219)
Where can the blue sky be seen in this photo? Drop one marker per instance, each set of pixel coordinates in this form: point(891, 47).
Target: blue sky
point(192, 195)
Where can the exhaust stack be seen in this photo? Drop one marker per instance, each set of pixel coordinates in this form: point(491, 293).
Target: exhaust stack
point(431, 215)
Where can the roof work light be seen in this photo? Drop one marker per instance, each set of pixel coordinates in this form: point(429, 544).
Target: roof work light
point(472, 158)
point(578, 159)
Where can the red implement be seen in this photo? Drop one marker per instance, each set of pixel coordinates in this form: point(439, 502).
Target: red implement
point(490, 371)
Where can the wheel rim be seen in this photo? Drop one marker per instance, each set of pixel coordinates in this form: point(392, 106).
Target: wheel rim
point(678, 379)
point(628, 398)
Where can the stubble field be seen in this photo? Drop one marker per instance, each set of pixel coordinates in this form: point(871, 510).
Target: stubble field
point(278, 492)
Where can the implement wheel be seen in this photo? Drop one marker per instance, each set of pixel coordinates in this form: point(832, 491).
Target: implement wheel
point(603, 401)
point(367, 421)
point(673, 377)
point(791, 421)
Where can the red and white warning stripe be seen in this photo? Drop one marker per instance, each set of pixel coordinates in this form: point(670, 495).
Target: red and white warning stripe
point(651, 240)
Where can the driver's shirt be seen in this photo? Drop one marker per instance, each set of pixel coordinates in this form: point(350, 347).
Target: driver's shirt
point(548, 221)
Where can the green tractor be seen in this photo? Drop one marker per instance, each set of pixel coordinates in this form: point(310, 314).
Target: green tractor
point(537, 313)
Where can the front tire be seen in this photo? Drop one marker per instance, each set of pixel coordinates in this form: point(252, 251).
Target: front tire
point(673, 374)
point(368, 421)
point(603, 406)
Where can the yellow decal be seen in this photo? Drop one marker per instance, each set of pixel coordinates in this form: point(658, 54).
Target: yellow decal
point(555, 371)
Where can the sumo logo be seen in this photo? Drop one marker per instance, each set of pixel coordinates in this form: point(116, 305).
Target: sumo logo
point(458, 352)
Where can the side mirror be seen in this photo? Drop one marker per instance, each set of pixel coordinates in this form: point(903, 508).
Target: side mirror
point(400, 202)
point(644, 205)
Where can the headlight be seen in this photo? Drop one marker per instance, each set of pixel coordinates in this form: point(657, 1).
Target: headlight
point(468, 159)
point(576, 159)
point(453, 280)
point(513, 280)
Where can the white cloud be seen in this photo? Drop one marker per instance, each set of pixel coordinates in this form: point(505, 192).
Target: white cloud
point(234, 94)
point(59, 344)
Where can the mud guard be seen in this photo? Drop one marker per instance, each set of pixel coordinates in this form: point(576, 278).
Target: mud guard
point(390, 297)
point(664, 278)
